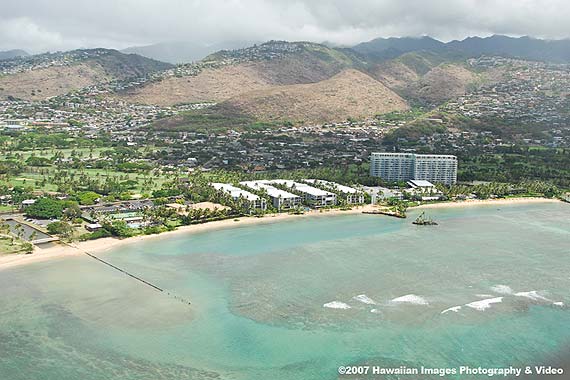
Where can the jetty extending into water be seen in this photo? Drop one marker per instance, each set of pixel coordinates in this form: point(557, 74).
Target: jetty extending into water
point(139, 279)
point(394, 214)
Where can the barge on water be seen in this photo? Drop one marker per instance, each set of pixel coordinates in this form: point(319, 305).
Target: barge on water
point(422, 220)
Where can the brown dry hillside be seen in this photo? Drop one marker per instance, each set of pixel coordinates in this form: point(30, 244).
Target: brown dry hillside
point(308, 67)
point(254, 68)
point(52, 81)
point(395, 74)
point(426, 77)
point(209, 85)
point(348, 94)
point(82, 68)
point(217, 85)
point(443, 82)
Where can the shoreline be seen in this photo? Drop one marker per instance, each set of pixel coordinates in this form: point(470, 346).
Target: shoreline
point(487, 202)
point(61, 250)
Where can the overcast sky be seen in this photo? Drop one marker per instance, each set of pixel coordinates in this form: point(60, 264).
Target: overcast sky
point(42, 25)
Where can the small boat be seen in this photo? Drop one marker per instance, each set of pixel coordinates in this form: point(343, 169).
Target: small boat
point(422, 220)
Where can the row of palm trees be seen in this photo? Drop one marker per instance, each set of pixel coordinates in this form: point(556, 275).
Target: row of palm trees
point(497, 189)
point(6, 234)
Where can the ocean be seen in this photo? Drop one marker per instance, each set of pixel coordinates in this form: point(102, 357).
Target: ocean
point(297, 299)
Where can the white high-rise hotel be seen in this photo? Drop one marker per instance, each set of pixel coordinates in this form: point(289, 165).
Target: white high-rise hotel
point(406, 166)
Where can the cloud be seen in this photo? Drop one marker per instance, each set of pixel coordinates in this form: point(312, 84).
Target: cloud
point(40, 25)
point(22, 31)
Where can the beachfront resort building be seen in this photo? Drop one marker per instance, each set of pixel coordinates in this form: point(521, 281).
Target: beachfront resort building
point(313, 196)
point(255, 202)
point(281, 199)
point(424, 189)
point(408, 166)
point(352, 195)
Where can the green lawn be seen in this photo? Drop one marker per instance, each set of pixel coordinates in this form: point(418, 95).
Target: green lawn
point(49, 153)
point(31, 177)
point(6, 246)
point(34, 176)
point(4, 208)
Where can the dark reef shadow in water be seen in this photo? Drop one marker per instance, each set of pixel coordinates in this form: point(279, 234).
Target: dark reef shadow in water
point(62, 352)
point(560, 359)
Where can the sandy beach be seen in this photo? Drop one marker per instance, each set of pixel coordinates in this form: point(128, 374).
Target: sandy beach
point(487, 202)
point(101, 245)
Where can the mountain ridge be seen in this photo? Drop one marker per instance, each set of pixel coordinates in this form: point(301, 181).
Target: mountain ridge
point(177, 52)
point(14, 53)
point(42, 76)
point(556, 51)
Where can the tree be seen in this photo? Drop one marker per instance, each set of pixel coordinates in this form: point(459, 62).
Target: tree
point(4, 227)
point(72, 212)
point(62, 229)
point(118, 228)
point(46, 208)
point(88, 197)
point(38, 161)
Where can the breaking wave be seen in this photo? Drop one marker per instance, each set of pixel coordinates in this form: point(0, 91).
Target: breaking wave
point(364, 299)
point(533, 295)
point(454, 309)
point(502, 289)
point(411, 299)
point(484, 304)
point(336, 305)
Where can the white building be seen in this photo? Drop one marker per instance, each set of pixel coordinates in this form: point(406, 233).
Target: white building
point(28, 202)
point(313, 197)
point(352, 195)
point(407, 166)
point(281, 199)
point(255, 202)
point(420, 183)
point(424, 189)
point(378, 193)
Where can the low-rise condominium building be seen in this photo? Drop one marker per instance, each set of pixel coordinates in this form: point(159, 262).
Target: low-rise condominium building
point(313, 196)
point(256, 202)
point(352, 195)
point(281, 199)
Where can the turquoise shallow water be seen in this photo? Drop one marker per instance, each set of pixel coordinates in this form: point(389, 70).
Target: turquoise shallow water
point(258, 296)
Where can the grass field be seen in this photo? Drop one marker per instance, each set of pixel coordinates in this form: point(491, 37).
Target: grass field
point(34, 179)
point(6, 246)
point(4, 208)
point(49, 153)
point(40, 178)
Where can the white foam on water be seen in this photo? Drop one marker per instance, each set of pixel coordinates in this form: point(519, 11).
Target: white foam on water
point(533, 295)
point(484, 295)
point(375, 311)
point(484, 304)
point(455, 309)
point(364, 299)
point(561, 304)
point(411, 299)
point(502, 289)
point(336, 305)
